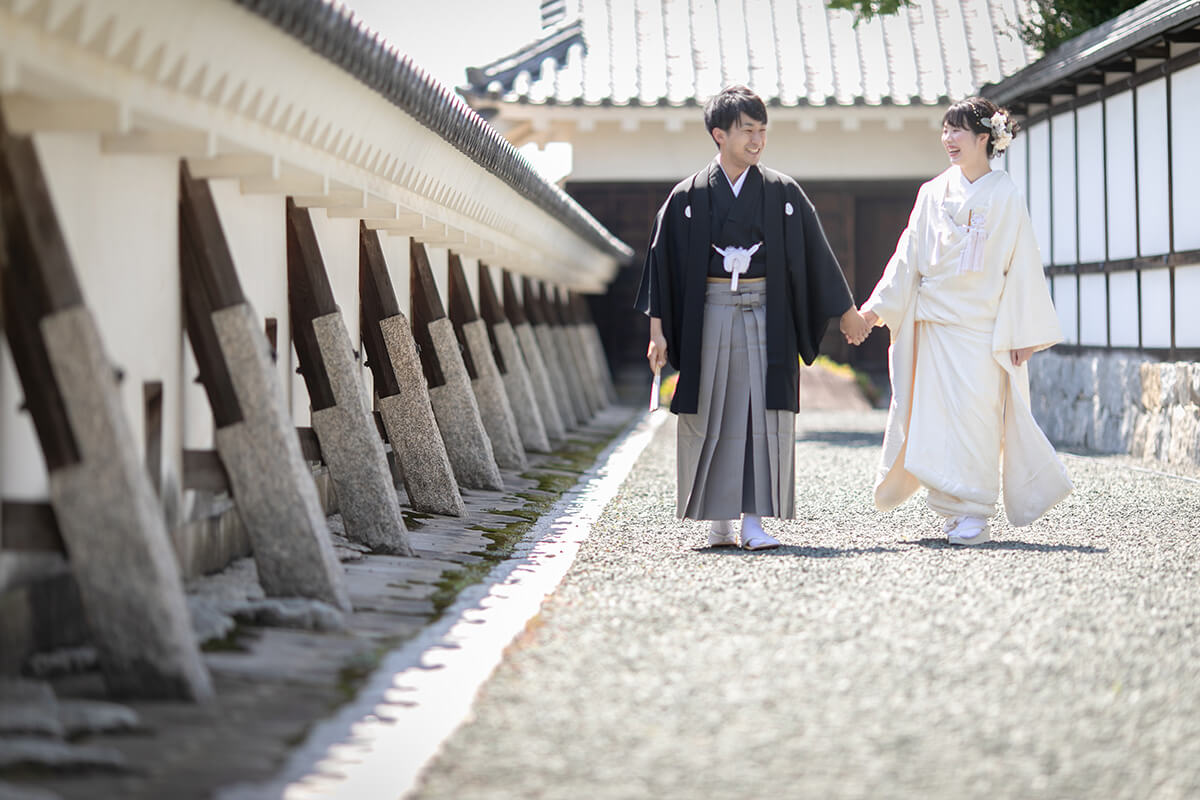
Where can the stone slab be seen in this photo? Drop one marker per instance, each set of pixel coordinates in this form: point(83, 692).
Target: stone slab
point(558, 377)
point(540, 381)
point(114, 528)
point(457, 414)
point(593, 385)
point(596, 347)
point(492, 399)
point(557, 337)
point(413, 429)
point(270, 480)
point(351, 446)
point(531, 426)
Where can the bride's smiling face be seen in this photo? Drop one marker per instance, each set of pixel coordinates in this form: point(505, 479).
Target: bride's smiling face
point(964, 147)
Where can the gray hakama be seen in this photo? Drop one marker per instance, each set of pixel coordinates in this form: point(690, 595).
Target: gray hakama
point(735, 455)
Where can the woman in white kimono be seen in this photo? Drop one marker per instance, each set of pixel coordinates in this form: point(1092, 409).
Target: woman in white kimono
point(967, 304)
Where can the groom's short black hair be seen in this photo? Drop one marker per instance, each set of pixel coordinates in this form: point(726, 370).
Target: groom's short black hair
point(727, 106)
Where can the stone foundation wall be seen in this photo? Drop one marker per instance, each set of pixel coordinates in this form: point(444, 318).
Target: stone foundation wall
point(1119, 403)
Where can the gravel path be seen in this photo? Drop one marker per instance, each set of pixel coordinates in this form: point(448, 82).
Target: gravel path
point(865, 658)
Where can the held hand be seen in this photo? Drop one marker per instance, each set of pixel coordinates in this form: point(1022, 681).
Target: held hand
point(656, 352)
point(1021, 355)
point(871, 317)
point(854, 327)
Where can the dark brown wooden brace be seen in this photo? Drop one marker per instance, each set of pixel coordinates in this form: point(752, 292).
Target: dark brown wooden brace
point(512, 303)
point(492, 312)
point(379, 302)
point(426, 308)
point(209, 283)
point(37, 280)
point(310, 295)
point(462, 311)
point(532, 303)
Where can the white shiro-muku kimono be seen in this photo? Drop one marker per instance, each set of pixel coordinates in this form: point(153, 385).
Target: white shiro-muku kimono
point(964, 288)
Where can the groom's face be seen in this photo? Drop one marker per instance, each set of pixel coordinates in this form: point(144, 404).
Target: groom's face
point(741, 146)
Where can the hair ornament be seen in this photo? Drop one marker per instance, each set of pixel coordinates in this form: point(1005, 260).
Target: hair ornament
point(1002, 132)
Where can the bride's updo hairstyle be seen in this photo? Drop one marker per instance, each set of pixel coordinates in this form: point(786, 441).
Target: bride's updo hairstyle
point(980, 115)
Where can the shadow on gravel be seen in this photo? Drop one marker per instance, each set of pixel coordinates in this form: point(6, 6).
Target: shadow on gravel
point(1036, 547)
point(799, 552)
point(843, 438)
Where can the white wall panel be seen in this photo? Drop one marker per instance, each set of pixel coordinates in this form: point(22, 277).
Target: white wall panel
point(1156, 308)
point(1065, 305)
point(1185, 165)
point(1014, 160)
point(1187, 298)
point(398, 255)
point(1153, 216)
point(1062, 148)
point(1039, 185)
point(1089, 134)
point(1123, 308)
point(22, 468)
point(1093, 310)
point(1122, 186)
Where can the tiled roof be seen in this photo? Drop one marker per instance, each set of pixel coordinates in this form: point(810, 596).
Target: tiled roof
point(792, 52)
point(1083, 58)
point(333, 31)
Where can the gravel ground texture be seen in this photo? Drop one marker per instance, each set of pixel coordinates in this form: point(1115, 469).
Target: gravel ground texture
point(864, 659)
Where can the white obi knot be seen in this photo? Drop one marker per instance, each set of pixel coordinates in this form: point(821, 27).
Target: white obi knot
point(737, 261)
point(687, 211)
point(972, 254)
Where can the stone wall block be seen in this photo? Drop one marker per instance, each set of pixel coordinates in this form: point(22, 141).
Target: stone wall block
point(413, 430)
point(353, 449)
point(270, 480)
point(1151, 387)
point(592, 336)
point(533, 339)
point(1184, 433)
point(492, 399)
point(458, 417)
point(541, 381)
point(531, 426)
point(1193, 384)
point(571, 369)
point(593, 383)
point(114, 528)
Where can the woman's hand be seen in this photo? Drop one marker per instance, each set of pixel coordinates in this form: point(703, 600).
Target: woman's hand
point(656, 352)
point(1021, 355)
point(871, 317)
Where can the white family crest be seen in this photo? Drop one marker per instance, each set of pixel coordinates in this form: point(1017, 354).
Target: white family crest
point(737, 261)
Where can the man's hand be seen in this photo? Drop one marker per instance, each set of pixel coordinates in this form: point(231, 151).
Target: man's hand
point(656, 352)
point(1021, 355)
point(854, 327)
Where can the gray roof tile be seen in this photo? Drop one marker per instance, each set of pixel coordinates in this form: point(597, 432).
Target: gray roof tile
point(792, 52)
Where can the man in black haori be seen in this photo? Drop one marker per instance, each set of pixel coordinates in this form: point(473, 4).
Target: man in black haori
point(739, 282)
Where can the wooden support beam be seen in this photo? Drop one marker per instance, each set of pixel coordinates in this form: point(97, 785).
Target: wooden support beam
point(462, 310)
point(492, 312)
point(426, 308)
point(203, 471)
point(310, 295)
point(209, 283)
point(30, 527)
point(532, 302)
point(379, 302)
point(310, 445)
point(513, 309)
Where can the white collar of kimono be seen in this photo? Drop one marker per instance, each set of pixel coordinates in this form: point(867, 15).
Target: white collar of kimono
point(735, 185)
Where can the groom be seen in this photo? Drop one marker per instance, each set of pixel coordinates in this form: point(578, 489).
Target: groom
point(738, 283)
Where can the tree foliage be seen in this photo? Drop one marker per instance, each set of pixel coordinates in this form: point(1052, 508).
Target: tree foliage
point(1052, 23)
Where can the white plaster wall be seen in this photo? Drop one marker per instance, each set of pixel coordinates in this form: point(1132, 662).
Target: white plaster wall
point(22, 468)
point(337, 239)
point(118, 214)
point(1121, 183)
point(399, 263)
point(1153, 213)
point(1065, 303)
point(1185, 163)
point(439, 263)
point(1014, 163)
point(1062, 142)
point(471, 270)
point(1156, 305)
point(1093, 310)
point(1123, 308)
point(1089, 134)
point(1039, 186)
point(1187, 296)
point(828, 152)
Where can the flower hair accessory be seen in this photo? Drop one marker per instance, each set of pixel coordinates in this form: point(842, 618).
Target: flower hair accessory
point(1002, 133)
